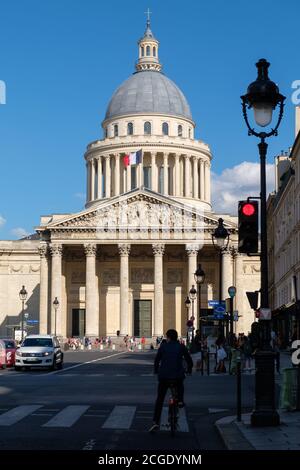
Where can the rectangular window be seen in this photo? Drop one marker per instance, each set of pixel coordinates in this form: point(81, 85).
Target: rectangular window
point(133, 177)
point(147, 177)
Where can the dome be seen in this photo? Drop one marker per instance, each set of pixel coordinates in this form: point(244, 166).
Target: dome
point(148, 92)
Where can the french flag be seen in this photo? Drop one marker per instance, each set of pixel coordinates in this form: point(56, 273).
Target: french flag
point(133, 158)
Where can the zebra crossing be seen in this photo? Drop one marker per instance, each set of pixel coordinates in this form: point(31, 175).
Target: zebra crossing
point(120, 417)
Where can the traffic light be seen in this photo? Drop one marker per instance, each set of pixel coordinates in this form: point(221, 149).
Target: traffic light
point(248, 227)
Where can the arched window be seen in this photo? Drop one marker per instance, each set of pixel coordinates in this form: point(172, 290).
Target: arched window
point(154, 51)
point(180, 130)
point(148, 50)
point(165, 128)
point(147, 128)
point(143, 51)
point(130, 128)
point(116, 130)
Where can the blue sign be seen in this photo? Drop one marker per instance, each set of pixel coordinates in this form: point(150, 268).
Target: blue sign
point(32, 321)
point(219, 310)
point(213, 303)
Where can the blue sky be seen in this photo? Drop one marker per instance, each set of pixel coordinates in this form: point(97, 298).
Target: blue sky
point(61, 60)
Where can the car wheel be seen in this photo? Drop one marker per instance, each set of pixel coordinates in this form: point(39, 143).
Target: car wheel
point(54, 365)
point(60, 365)
point(17, 368)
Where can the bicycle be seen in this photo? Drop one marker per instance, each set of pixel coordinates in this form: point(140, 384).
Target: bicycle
point(173, 409)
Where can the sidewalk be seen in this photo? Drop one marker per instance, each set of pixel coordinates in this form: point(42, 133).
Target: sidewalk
point(242, 436)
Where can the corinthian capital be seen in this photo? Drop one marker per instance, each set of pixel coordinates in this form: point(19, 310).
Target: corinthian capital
point(56, 249)
point(43, 250)
point(192, 249)
point(158, 249)
point(90, 249)
point(124, 249)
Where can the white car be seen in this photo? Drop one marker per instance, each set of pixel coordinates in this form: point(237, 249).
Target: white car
point(39, 351)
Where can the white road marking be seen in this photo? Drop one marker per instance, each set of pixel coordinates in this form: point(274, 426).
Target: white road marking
point(16, 414)
point(84, 363)
point(182, 421)
point(217, 410)
point(67, 417)
point(121, 417)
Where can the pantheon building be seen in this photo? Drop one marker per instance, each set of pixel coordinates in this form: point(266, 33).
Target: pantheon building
point(126, 262)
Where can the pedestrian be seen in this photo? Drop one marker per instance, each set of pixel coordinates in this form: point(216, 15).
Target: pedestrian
point(221, 356)
point(247, 352)
point(143, 342)
point(196, 351)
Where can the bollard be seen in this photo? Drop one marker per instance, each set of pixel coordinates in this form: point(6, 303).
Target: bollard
point(113, 347)
point(239, 389)
point(101, 347)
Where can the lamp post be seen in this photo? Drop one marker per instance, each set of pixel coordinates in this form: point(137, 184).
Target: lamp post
point(263, 96)
point(220, 239)
point(23, 297)
point(193, 296)
point(187, 304)
point(55, 305)
point(199, 276)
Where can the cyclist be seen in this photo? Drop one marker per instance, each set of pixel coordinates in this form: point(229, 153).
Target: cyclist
point(168, 365)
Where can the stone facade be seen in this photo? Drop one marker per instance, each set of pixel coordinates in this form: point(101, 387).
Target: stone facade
point(127, 261)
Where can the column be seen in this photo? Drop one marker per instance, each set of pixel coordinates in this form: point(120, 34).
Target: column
point(117, 175)
point(238, 282)
point(206, 179)
point(107, 176)
point(158, 250)
point(227, 273)
point(92, 180)
point(88, 181)
point(124, 251)
point(91, 292)
point(166, 174)
point(187, 176)
point(195, 178)
point(208, 182)
point(153, 172)
point(202, 181)
point(43, 251)
point(177, 176)
point(99, 182)
point(56, 250)
point(192, 252)
point(128, 178)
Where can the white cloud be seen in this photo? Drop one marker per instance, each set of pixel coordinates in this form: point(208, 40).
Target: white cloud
point(237, 183)
point(80, 195)
point(20, 232)
point(2, 221)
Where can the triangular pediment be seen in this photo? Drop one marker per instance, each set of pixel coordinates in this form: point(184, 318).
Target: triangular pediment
point(139, 211)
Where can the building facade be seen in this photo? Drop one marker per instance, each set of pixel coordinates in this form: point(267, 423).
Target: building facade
point(127, 261)
point(284, 240)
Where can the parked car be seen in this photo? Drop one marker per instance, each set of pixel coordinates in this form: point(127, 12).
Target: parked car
point(7, 352)
point(39, 351)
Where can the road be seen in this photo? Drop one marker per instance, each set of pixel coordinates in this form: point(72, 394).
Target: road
point(104, 400)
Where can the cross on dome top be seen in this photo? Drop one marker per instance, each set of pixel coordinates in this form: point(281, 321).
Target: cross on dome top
point(148, 50)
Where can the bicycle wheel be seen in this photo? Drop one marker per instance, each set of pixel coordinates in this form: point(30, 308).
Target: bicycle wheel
point(173, 418)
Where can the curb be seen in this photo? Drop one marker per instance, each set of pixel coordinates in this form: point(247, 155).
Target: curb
point(230, 434)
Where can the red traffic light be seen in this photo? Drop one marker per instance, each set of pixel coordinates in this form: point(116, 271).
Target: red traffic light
point(248, 209)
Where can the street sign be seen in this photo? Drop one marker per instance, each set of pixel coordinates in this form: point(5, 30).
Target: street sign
point(32, 321)
point(265, 314)
point(219, 310)
point(235, 315)
point(213, 303)
point(232, 291)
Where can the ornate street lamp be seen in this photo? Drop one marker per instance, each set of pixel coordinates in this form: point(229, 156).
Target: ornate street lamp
point(55, 305)
point(263, 96)
point(187, 304)
point(193, 296)
point(199, 276)
point(23, 297)
point(220, 239)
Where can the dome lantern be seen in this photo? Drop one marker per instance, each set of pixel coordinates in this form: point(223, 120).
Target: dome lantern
point(148, 50)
